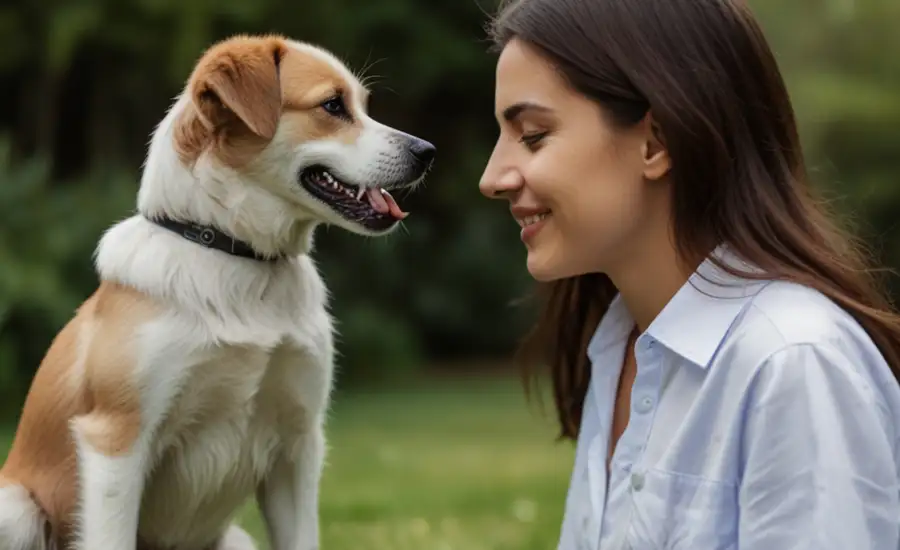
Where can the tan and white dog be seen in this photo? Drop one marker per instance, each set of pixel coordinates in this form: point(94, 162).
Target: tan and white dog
point(198, 374)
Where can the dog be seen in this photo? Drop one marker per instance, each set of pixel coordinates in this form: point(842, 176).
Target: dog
point(198, 374)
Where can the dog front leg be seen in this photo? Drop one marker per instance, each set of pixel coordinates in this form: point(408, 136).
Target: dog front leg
point(289, 497)
point(111, 482)
point(115, 441)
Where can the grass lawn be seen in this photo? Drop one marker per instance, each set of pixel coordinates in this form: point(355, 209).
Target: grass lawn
point(450, 465)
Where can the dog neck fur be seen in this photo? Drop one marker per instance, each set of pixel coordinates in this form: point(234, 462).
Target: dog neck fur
point(138, 253)
point(210, 192)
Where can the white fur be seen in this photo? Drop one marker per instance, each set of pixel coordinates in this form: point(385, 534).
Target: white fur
point(110, 495)
point(21, 521)
point(274, 213)
point(236, 539)
point(247, 349)
point(235, 376)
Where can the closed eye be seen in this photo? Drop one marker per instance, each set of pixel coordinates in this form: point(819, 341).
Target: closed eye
point(532, 140)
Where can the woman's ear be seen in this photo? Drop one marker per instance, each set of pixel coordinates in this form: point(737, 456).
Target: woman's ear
point(653, 150)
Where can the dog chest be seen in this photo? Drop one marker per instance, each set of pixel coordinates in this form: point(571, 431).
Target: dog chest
point(231, 418)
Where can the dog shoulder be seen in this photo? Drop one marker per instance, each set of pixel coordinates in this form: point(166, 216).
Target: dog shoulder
point(108, 369)
point(86, 381)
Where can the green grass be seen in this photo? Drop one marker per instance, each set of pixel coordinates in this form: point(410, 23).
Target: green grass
point(449, 465)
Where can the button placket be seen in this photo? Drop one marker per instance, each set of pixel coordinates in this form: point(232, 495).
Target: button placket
point(643, 405)
point(645, 401)
point(637, 481)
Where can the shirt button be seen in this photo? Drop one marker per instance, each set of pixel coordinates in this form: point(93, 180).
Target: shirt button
point(637, 481)
point(644, 405)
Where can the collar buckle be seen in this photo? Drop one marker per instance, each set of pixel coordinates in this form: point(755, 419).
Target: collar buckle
point(212, 238)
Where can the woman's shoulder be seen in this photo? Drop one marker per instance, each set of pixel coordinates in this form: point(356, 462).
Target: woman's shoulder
point(793, 332)
point(794, 314)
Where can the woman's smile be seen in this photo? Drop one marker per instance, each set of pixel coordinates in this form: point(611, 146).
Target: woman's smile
point(530, 219)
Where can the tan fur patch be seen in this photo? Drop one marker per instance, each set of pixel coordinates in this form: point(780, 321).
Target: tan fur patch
point(86, 376)
point(307, 82)
point(236, 100)
point(244, 88)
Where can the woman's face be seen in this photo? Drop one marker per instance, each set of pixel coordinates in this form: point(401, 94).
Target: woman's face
point(583, 191)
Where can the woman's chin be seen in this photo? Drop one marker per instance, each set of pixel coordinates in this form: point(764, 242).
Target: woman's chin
point(546, 264)
point(540, 269)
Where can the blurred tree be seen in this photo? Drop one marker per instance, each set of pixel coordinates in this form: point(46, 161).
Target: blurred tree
point(85, 83)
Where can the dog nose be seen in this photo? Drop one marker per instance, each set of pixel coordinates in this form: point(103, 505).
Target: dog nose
point(422, 150)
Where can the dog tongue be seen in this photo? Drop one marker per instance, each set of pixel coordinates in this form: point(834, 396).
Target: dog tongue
point(383, 202)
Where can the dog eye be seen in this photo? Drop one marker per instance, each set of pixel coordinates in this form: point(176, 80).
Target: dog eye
point(335, 106)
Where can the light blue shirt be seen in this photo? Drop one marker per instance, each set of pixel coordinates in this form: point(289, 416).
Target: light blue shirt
point(763, 418)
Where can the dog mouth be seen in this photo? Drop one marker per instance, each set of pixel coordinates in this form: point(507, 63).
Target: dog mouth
point(371, 207)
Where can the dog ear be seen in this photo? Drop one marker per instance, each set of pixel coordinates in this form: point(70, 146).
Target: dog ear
point(237, 82)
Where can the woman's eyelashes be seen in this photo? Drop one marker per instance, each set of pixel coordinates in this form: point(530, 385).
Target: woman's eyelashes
point(531, 140)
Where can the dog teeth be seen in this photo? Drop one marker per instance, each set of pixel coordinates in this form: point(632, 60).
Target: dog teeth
point(351, 191)
point(330, 179)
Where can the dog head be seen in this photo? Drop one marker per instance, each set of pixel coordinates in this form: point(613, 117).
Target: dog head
point(290, 120)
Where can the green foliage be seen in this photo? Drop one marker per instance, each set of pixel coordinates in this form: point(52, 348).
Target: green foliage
point(49, 232)
point(846, 91)
point(90, 80)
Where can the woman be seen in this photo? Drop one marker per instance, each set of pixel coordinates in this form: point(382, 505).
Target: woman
point(719, 348)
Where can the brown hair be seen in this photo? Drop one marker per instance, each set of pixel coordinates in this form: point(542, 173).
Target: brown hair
point(707, 75)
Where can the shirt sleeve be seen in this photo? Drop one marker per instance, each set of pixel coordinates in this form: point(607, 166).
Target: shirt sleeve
point(818, 464)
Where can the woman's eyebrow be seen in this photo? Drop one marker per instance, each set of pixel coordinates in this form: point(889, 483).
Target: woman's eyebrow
point(515, 110)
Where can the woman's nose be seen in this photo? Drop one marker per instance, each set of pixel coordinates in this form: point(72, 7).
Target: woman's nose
point(498, 182)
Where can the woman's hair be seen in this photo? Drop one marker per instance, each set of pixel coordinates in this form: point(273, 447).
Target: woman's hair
point(704, 71)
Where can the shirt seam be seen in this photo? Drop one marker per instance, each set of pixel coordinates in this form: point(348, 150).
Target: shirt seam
point(813, 344)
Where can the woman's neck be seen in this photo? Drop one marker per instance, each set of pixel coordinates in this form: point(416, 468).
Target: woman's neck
point(648, 279)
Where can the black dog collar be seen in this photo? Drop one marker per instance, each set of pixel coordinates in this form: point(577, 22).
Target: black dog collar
point(210, 237)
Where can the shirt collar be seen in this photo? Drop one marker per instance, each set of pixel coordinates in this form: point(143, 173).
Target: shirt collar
point(613, 328)
point(696, 320)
